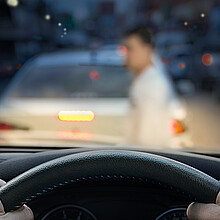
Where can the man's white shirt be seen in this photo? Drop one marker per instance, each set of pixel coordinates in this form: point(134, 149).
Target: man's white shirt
point(153, 103)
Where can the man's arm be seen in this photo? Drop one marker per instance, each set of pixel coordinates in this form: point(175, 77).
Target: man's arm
point(24, 213)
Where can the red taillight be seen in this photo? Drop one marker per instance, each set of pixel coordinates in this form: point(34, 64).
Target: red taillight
point(175, 127)
point(5, 127)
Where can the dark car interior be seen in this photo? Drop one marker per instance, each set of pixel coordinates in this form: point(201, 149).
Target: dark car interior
point(94, 194)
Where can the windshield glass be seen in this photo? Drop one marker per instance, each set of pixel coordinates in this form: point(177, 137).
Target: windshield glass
point(134, 72)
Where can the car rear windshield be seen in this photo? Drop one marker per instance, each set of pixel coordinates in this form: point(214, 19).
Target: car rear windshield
point(73, 81)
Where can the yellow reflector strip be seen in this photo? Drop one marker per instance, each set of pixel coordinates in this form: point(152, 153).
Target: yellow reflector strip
point(76, 116)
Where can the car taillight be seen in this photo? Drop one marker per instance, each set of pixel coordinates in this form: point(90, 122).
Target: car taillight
point(76, 116)
point(175, 127)
point(5, 127)
point(9, 127)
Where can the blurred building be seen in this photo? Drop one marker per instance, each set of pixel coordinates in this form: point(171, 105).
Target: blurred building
point(24, 32)
point(87, 19)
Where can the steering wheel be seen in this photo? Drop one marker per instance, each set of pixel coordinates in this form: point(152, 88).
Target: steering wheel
point(107, 165)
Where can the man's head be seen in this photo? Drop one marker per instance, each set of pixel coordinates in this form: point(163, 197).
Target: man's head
point(140, 46)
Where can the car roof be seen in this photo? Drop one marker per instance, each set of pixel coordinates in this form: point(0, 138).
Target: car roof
point(68, 58)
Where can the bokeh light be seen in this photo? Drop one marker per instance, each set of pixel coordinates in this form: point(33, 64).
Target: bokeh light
point(166, 61)
point(94, 75)
point(19, 66)
point(59, 24)
point(47, 17)
point(202, 15)
point(13, 3)
point(9, 68)
point(186, 23)
point(207, 59)
point(182, 65)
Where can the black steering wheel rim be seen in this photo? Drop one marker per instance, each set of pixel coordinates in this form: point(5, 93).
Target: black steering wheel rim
point(108, 164)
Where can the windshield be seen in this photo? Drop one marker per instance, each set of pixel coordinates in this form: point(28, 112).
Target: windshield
point(134, 72)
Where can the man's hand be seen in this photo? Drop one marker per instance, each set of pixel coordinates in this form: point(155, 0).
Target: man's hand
point(198, 211)
point(24, 213)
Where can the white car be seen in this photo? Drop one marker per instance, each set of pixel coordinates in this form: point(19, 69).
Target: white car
point(81, 82)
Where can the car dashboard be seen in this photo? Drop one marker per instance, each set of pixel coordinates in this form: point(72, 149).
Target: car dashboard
point(127, 199)
point(115, 202)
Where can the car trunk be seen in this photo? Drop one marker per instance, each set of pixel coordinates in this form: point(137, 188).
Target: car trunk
point(42, 115)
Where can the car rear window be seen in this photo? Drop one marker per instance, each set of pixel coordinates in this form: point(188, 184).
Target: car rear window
point(73, 81)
